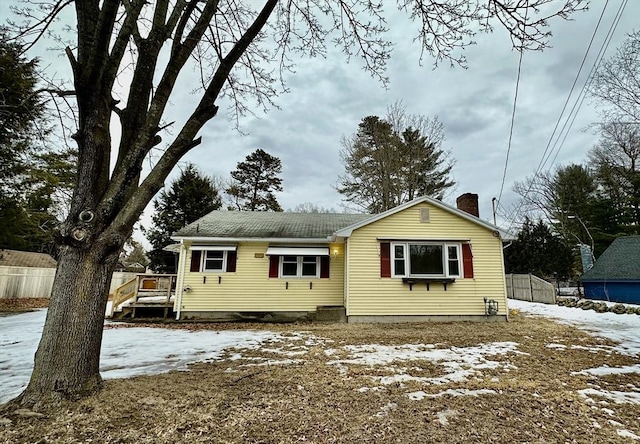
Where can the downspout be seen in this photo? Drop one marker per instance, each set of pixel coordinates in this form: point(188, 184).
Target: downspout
point(180, 279)
point(346, 278)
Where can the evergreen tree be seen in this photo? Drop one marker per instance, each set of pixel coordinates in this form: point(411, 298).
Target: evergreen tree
point(34, 183)
point(254, 182)
point(189, 197)
point(540, 252)
point(388, 163)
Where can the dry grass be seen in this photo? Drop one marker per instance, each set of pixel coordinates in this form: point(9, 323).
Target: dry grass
point(226, 401)
point(22, 304)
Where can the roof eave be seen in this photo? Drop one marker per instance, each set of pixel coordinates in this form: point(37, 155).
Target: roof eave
point(284, 240)
point(347, 231)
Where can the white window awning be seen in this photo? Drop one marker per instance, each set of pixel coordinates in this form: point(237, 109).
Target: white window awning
point(213, 247)
point(297, 251)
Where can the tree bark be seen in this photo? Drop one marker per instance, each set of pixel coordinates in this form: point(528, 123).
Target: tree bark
point(68, 356)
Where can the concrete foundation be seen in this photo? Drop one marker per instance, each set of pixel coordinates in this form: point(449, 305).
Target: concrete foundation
point(425, 318)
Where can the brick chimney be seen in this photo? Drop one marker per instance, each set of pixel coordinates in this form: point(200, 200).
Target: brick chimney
point(468, 202)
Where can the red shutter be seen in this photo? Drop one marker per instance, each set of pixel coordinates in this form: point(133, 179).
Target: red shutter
point(195, 261)
point(467, 260)
point(324, 267)
point(231, 261)
point(274, 261)
point(385, 259)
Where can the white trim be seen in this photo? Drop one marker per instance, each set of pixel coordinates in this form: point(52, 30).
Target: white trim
point(297, 251)
point(203, 261)
point(299, 266)
point(347, 231)
point(213, 247)
point(406, 246)
point(422, 239)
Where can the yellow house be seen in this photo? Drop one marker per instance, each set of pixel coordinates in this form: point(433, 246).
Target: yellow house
point(421, 261)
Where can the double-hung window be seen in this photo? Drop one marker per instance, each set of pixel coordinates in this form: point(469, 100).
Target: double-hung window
point(214, 260)
point(299, 266)
point(426, 259)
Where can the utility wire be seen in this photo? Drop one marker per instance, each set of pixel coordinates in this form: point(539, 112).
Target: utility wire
point(513, 118)
point(579, 101)
point(514, 214)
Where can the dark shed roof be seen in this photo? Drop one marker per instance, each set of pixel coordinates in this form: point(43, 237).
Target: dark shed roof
point(621, 261)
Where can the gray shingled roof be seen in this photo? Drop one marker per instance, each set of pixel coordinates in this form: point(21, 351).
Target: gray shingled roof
point(247, 224)
point(621, 261)
point(15, 258)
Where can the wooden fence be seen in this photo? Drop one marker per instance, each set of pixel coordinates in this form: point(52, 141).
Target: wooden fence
point(30, 282)
point(26, 282)
point(526, 287)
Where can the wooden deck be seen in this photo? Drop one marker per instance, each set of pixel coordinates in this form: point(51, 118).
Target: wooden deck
point(144, 293)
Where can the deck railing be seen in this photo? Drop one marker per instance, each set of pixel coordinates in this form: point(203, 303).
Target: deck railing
point(150, 287)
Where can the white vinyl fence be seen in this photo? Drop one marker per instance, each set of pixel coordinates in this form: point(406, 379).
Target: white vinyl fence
point(527, 287)
point(30, 282)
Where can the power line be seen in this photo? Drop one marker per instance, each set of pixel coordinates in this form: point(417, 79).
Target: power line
point(513, 118)
point(579, 101)
point(547, 154)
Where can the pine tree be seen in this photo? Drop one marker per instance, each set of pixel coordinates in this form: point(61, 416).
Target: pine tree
point(189, 197)
point(390, 161)
point(254, 182)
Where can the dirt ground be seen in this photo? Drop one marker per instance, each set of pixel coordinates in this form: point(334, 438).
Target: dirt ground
point(532, 398)
point(22, 304)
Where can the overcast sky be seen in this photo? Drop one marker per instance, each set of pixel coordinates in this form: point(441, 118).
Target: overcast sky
point(329, 97)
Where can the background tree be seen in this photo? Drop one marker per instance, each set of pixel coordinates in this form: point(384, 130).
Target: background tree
point(254, 182)
point(190, 196)
point(310, 207)
point(388, 163)
point(566, 197)
point(134, 253)
point(616, 160)
point(126, 58)
point(538, 251)
point(615, 83)
point(35, 182)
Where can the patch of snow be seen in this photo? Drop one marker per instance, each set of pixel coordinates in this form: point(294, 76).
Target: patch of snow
point(459, 363)
point(612, 395)
point(125, 352)
point(270, 362)
point(628, 434)
point(419, 395)
point(444, 415)
point(558, 346)
point(606, 370)
point(621, 328)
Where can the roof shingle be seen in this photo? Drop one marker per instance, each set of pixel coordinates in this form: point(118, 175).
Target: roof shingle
point(621, 261)
point(285, 225)
point(15, 258)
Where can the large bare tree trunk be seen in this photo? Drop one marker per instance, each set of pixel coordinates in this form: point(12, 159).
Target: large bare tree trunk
point(68, 357)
